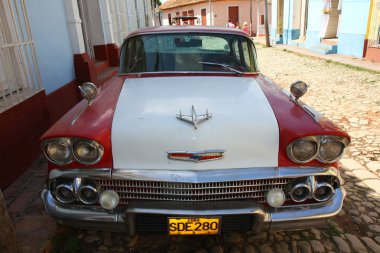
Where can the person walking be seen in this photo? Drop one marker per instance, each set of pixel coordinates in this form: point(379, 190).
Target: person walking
point(230, 24)
point(245, 27)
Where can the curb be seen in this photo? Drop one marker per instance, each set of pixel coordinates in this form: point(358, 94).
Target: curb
point(321, 57)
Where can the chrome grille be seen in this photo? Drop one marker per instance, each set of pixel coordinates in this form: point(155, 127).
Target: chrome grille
point(130, 190)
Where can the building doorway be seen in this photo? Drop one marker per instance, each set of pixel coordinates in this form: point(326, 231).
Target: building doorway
point(330, 21)
point(203, 15)
point(233, 14)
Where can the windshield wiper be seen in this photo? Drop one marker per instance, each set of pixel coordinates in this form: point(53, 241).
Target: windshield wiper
point(221, 65)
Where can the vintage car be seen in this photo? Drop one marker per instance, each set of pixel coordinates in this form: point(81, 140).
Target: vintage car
point(190, 138)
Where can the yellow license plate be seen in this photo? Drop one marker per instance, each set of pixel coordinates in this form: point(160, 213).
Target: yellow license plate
point(194, 226)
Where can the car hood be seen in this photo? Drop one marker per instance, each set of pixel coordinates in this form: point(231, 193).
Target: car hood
point(145, 126)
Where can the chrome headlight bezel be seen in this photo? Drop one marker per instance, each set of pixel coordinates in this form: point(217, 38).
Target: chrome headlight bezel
point(325, 139)
point(319, 140)
point(70, 142)
point(63, 141)
point(289, 149)
point(94, 144)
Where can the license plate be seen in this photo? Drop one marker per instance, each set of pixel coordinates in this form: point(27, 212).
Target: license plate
point(194, 226)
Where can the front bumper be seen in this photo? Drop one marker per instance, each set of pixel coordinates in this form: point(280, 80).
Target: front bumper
point(284, 218)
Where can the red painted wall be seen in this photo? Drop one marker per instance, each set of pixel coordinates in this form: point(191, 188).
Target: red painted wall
point(22, 125)
point(62, 100)
point(373, 54)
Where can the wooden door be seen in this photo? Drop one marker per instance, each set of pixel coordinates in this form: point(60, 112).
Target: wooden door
point(204, 19)
point(233, 14)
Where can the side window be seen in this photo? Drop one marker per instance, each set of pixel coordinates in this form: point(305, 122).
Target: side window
point(235, 49)
point(247, 54)
point(135, 61)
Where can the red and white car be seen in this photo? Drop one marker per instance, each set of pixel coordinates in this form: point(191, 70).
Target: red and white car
point(190, 138)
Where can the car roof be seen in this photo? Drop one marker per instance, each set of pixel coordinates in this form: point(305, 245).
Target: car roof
point(184, 29)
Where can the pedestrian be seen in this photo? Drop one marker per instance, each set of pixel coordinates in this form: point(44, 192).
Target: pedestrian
point(237, 25)
point(245, 27)
point(230, 24)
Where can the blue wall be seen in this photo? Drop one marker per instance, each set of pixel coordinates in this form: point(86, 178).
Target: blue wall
point(352, 27)
point(313, 23)
point(351, 30)
point(53, 47)
point(290, 33)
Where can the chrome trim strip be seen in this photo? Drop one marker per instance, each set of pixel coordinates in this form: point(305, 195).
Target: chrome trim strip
point(76, 117)
point(72, 173)
point(223, 174)
point(199, 176)
point(174, 208)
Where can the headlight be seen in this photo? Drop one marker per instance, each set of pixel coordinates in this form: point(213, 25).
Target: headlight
point(330, 150)
point(87, 151)
point(275, 197)
point(58, 152)
point(88, 192)
point(303, 150)
point(65, 193)
point(109, 199)
point(325, 148)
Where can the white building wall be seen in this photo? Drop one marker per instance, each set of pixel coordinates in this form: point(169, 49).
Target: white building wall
point(197, 13)
point(219, 13)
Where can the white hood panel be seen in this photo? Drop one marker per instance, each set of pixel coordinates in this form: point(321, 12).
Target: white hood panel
point(145, 126)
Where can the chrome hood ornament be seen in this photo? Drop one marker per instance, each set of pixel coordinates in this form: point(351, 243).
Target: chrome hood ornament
point(197, 156)
point(194, 119)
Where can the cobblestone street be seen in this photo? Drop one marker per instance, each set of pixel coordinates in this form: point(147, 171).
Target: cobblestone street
point(349, 97)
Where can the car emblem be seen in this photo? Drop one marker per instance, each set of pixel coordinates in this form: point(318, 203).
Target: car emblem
point(194, 118)
point(198, 156)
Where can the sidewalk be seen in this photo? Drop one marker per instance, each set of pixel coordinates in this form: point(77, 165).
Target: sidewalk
point(33, 226)
point(343, 59)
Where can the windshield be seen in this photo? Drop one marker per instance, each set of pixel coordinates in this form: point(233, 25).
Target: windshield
point(188, 52)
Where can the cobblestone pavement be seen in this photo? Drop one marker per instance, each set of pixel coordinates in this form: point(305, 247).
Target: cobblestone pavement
point(347, 96)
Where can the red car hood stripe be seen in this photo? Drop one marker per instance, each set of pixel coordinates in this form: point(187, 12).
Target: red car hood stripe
point(293, 121)
point(94, 123)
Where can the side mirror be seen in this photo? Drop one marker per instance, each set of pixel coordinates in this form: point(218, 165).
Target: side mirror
point(298, 89)
point(88, 92)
